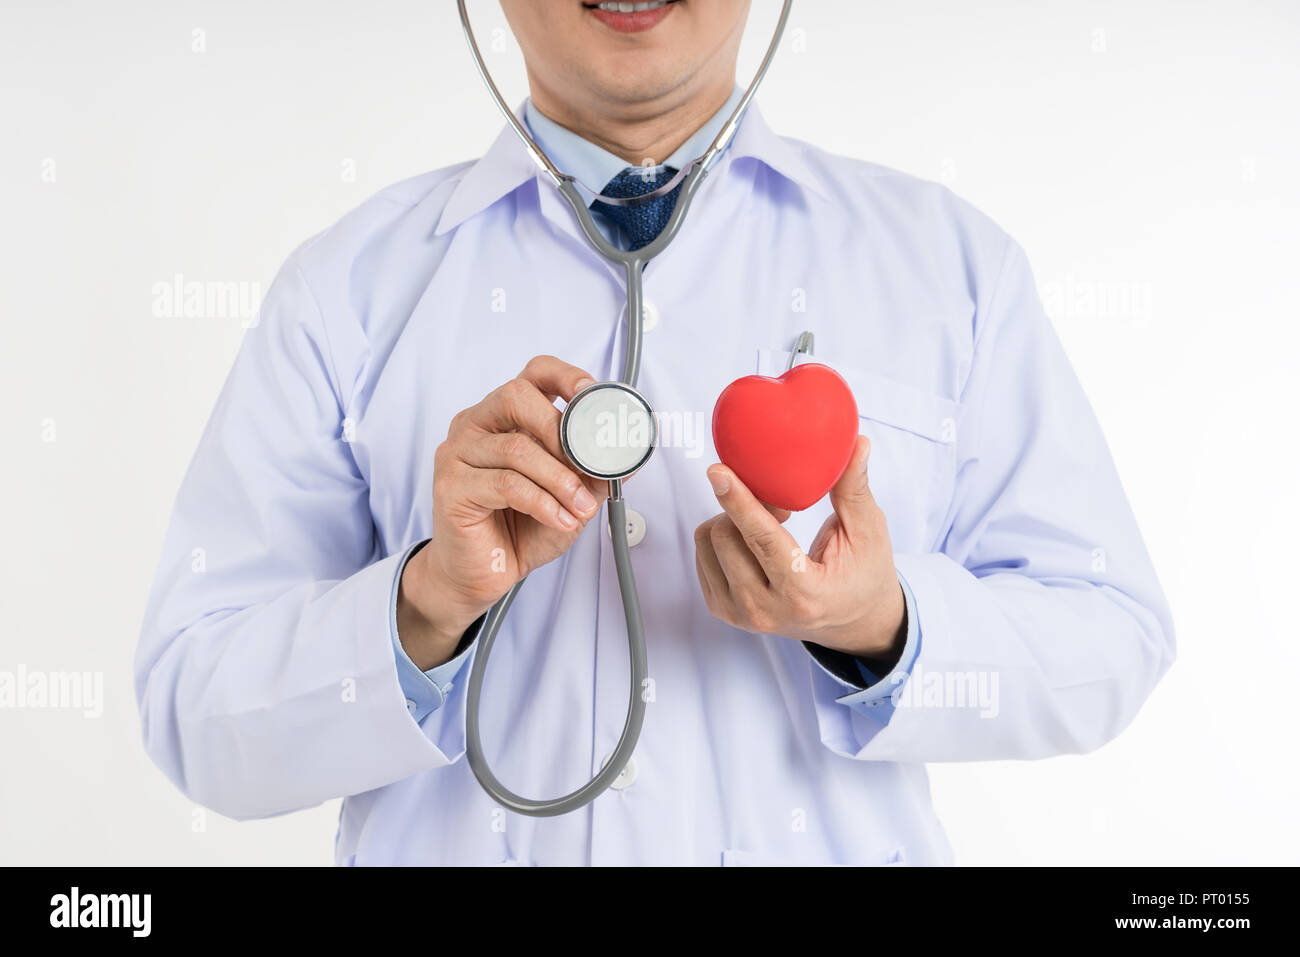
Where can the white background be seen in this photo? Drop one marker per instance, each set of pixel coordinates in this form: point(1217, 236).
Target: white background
point(1143, 152)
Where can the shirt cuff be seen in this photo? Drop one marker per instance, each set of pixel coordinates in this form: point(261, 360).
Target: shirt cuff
point(872, 691)
point(425, 691)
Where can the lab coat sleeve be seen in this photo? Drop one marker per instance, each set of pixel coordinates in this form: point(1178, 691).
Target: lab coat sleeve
point(425, 691)
point(265, 675)
point(1042, 625)
point(865, 689)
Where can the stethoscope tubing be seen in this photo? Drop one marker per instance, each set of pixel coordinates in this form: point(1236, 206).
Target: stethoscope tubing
point(638, 673)
point(634, 262)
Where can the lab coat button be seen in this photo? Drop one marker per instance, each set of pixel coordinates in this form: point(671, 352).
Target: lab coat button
point(635, 527)
point(626, 778)
point(649, 315)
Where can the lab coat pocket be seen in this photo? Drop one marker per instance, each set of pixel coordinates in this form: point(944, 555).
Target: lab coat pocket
point(913, 448)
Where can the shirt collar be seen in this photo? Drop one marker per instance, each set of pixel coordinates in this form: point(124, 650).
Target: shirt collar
point(506, 165)
point(592, 165)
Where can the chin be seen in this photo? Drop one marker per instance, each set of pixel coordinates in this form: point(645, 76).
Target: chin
point(625, 81)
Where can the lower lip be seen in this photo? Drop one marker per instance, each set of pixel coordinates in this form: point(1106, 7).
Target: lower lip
point(632, 22)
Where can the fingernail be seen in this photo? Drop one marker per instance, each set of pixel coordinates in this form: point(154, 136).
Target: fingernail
point(582, 384)
point(719, 481)
point(567, 520)
point(584, 500)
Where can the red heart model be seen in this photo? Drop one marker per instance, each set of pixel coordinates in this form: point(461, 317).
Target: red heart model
point(788, 439)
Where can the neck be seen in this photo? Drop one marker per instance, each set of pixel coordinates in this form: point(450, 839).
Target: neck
point(642, 133)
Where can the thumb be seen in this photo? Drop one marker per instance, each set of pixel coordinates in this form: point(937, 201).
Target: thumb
point(851, 495)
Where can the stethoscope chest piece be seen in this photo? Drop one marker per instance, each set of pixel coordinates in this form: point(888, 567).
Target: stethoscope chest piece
point(608, 430)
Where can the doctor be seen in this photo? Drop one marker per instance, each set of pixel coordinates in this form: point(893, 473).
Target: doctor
point(383, 463)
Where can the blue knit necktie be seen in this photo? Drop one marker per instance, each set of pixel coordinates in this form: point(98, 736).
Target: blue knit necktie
point(643, 221)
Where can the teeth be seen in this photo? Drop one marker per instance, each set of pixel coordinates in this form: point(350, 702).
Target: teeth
point(631, 7)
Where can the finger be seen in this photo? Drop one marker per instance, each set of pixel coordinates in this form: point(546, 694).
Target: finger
point(735, 557)
point(706, 588)
point(771, 544)
point(851, 496)
point(555, 377)
point(817, 551)
point(506, 488)
point(521, 452)
point(708, 566)
point(520, 405)
point(780, 514)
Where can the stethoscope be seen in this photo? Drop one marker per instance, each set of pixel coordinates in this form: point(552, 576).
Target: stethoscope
point(608, 431)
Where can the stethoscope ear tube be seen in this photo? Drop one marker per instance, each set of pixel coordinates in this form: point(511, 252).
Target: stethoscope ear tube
point(639, 672)
point(538, 155)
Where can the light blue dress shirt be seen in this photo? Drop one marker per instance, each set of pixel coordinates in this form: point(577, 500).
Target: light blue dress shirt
point(594, 166)
point(267, 674)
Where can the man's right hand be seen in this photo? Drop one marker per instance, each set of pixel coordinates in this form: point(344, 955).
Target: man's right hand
point(505, 501)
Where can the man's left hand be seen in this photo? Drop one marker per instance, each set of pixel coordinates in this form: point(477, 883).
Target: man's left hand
point(843, 594)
